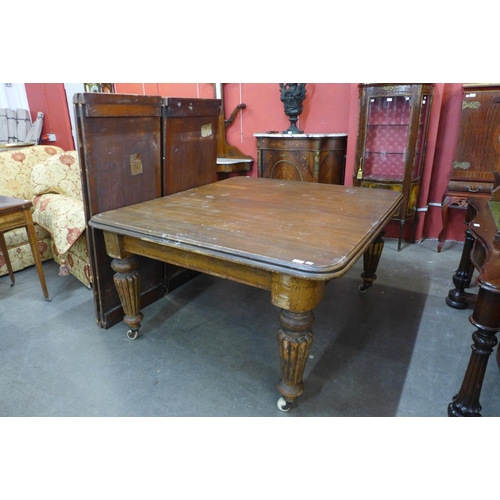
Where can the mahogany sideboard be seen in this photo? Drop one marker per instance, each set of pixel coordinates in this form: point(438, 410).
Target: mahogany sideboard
point(302, 157)
point(134, 148)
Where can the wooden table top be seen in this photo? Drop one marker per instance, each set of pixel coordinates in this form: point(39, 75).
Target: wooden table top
point(8, 203)
point(312, 230)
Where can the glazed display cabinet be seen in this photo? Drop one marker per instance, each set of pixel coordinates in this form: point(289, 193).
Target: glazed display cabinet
point(391, 142)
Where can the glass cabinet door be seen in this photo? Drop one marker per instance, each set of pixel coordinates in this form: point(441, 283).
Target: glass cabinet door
point(386, 143)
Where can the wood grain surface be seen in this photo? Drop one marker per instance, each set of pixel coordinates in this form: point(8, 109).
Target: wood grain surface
point(316, 229)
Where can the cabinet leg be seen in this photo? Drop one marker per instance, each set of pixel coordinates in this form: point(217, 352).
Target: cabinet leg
point(371, 258)
point(400, 236)
point(295, 339)
point(414, 225)
point(486, 317)
point(445, 205)
point(128, 285)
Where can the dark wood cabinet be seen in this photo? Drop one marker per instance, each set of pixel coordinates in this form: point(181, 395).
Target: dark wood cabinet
point(302, 157)
point(391, 142)
point(135, 148)
point(477, 155)
point(189, 141)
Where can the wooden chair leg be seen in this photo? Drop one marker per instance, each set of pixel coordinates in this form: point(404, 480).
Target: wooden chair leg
point(5, 253)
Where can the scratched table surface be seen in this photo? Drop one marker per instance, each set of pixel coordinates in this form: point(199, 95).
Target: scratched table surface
point(310, 230)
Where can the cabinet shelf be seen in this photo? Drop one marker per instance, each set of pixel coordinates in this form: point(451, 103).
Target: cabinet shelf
point(367, 152)
point(388, 125)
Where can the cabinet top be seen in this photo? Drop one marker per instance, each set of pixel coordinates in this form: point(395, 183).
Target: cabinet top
point(481, 87)
point(295, 136)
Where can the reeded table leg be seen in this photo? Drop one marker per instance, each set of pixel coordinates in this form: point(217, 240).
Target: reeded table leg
point(295, 339)
point(128, 286)
point(371, 258)
point(296, 299)
point(486, 317)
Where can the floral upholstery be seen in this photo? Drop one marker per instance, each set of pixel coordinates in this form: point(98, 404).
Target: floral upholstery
point(62, 216)
point(58, 174)
point(20, 250)
point(77, 260)
point(58, 199)
point(50, 178)
point(16, 167)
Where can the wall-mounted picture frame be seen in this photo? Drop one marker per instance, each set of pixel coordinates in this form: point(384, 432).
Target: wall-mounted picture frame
point(108, 88)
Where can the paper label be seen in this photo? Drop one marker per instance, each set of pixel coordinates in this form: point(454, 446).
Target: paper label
point(135, 164)
point(206, 130)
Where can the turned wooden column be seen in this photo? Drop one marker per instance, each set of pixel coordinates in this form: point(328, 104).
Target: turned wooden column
point(128, 285)
point(486, 317)
point(458, 298)
point(371, 258)
point(296, 298)
point(295, 339)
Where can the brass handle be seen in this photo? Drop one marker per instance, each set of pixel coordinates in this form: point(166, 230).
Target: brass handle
point(472, 190)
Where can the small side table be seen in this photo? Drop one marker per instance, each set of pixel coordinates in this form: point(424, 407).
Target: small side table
point(15, 213)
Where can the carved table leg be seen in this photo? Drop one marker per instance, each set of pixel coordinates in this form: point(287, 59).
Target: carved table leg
point(295, 339)
point(128, 286)
point(458, 297)
point(486, 317)
point(371, 259)
point(296, 298)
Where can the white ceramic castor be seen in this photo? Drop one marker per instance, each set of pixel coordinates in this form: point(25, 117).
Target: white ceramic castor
point(283, 404)
point(132, 334)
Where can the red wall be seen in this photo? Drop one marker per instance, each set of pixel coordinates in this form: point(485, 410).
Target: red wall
point(328, 108)
point(50, 98)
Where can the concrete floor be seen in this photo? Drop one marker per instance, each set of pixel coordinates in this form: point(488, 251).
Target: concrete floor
point(210, 348)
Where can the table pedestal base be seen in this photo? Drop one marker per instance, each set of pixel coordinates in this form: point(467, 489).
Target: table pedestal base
point(486, 317)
